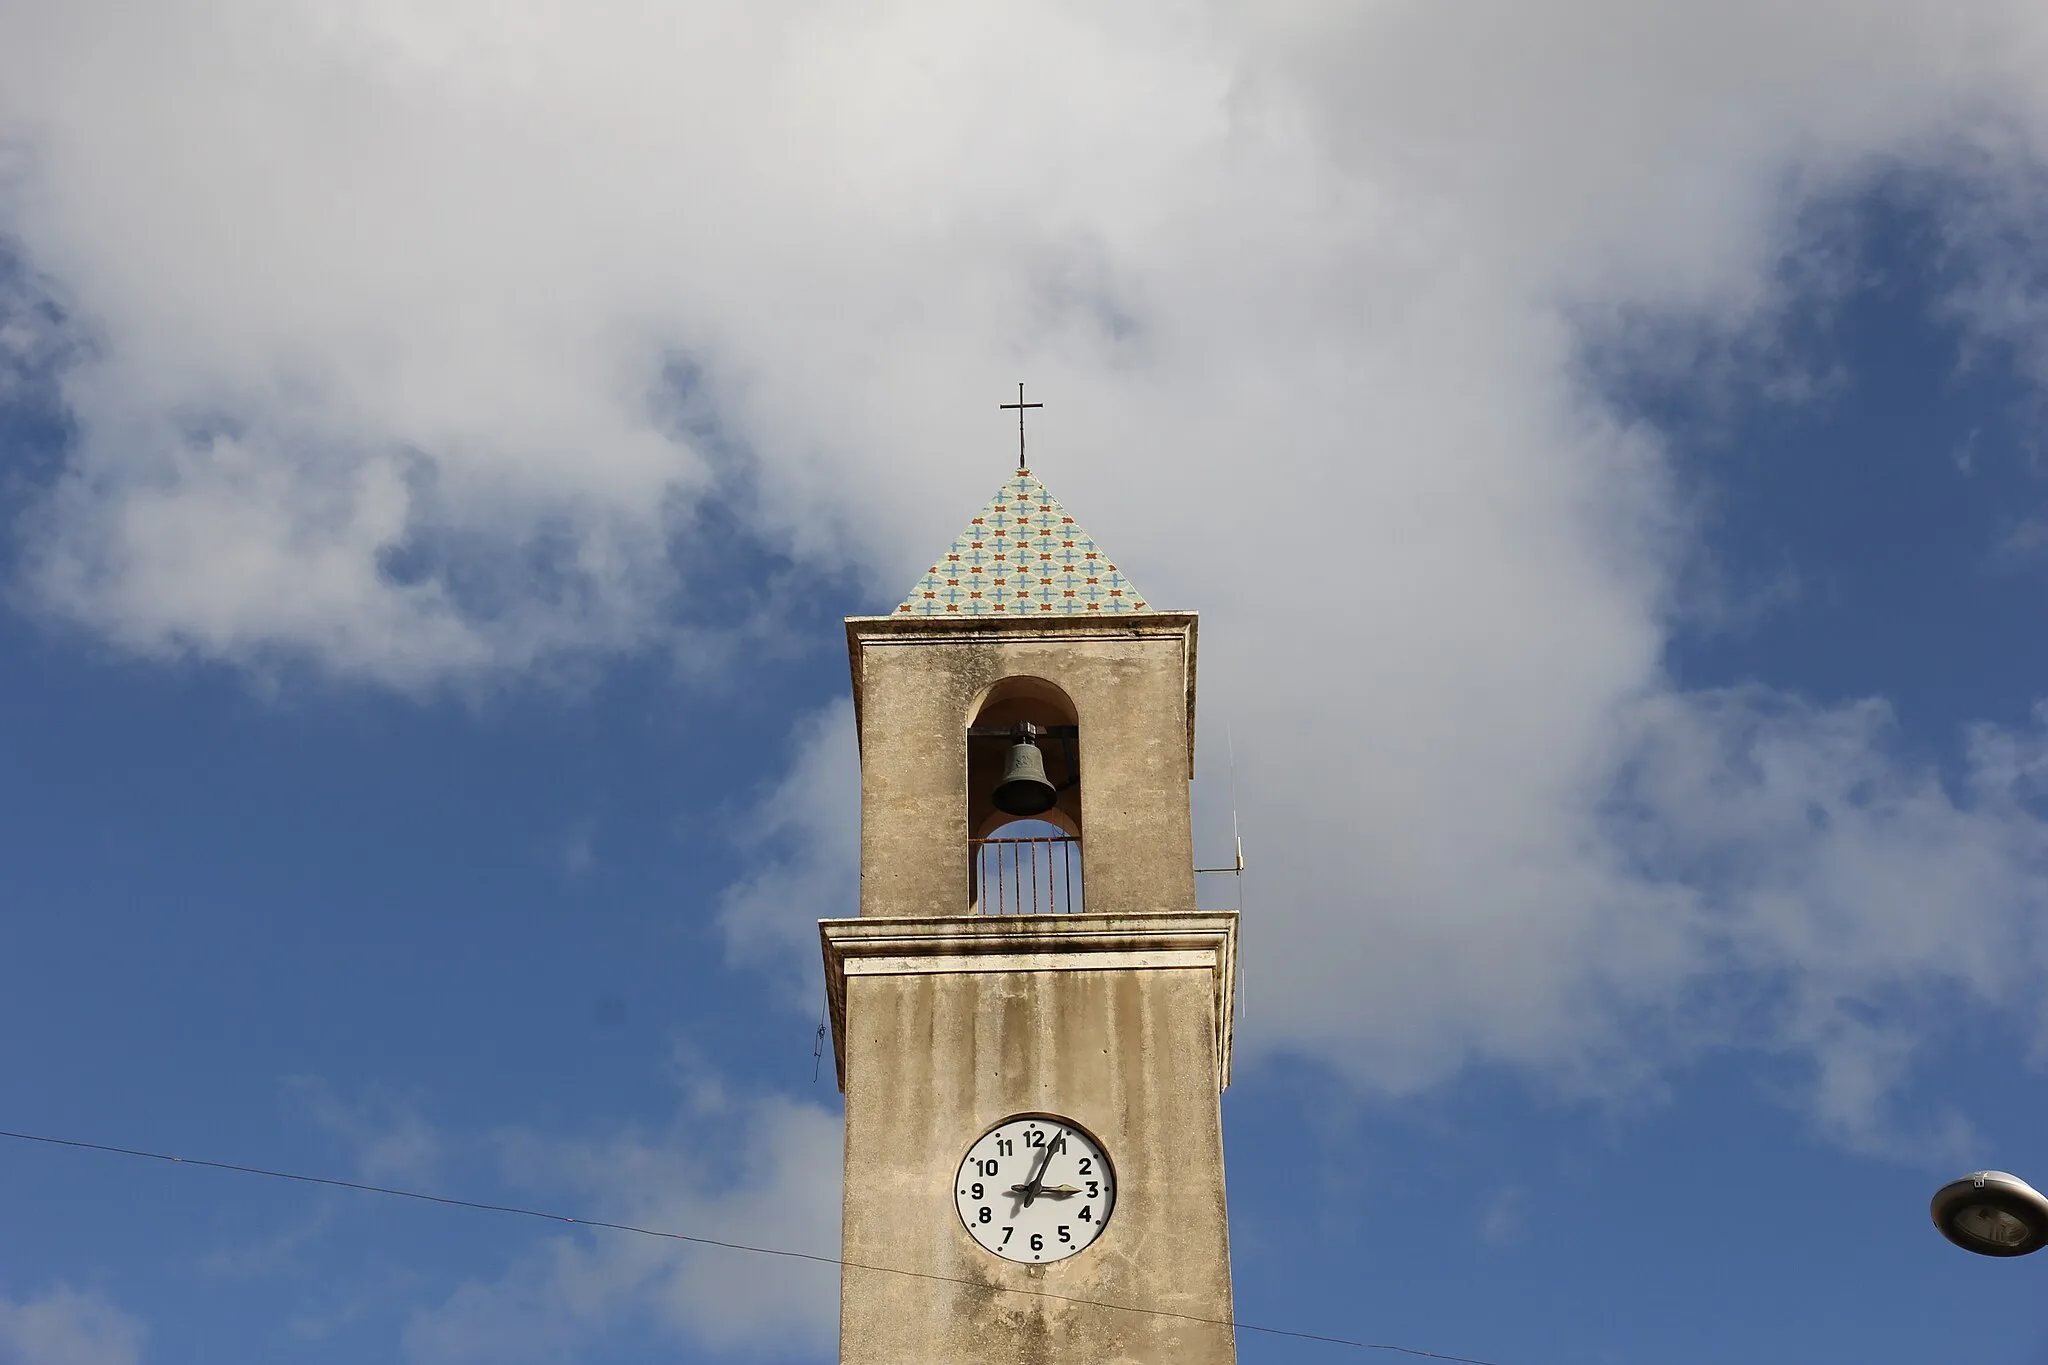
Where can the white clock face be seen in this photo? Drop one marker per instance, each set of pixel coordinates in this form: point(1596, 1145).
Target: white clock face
point(1035, 1189)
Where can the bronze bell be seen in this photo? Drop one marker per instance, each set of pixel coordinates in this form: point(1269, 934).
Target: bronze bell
point(1025, 789)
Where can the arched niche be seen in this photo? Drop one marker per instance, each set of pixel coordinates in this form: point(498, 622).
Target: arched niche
point(1001, 711)
point(1024, 864)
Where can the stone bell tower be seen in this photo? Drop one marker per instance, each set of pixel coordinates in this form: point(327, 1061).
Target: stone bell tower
point(1031, 1020)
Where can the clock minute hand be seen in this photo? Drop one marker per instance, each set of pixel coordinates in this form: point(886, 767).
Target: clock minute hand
point(1038, 1181)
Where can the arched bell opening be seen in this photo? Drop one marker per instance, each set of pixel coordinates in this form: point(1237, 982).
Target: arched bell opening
point(1024, 800)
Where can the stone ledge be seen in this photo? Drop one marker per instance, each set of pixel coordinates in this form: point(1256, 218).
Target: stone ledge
point(1175, 940)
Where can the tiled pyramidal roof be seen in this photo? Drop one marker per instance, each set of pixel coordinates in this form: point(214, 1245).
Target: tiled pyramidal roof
point(1023, 554)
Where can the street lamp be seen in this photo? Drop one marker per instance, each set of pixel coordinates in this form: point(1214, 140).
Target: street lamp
point(1992, 1214)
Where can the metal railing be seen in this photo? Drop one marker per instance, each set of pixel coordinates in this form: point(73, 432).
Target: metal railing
point(1036, 876)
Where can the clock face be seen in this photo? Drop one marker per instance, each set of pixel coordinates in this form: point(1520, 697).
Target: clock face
point(1035, 1188)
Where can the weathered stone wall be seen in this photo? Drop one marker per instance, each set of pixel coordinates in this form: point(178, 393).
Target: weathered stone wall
point(917, 685)
point(1119, 1026)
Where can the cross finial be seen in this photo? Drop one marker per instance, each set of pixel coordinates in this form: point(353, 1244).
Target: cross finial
point(1020, 405)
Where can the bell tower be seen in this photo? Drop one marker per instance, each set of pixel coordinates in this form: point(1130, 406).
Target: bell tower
point(1031, 1019)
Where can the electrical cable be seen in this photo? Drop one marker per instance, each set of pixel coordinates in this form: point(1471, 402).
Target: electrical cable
point(450, 1202)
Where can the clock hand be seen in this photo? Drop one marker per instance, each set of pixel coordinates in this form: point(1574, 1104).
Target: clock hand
point(1038, 1181)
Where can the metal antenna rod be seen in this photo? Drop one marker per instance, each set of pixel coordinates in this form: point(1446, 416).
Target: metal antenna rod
point(1020, 405)
point(1236, 869)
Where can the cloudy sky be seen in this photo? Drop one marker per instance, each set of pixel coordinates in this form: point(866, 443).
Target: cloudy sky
point(437, 440)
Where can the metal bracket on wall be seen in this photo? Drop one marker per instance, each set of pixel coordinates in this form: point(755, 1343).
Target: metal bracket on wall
point(1026, 728)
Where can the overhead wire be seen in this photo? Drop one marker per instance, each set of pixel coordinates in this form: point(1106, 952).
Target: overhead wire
point(449, 1201)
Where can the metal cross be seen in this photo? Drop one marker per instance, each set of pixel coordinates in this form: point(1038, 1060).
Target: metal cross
point(1020, 405)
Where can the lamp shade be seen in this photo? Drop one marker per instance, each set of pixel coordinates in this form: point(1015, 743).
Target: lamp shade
point(1992, 1213)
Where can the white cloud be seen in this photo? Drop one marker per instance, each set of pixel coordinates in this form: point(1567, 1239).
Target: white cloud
point(422, 332)
point(391, 1140)
point(1502, 1220)
point(759, 1170)
point(67, 1327)
point(578, 850)
point(805, 834)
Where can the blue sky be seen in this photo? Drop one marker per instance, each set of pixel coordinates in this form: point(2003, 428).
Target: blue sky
point(438, 450)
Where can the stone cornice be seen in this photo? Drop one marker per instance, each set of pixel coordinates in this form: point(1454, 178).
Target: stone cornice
point(1184, 940)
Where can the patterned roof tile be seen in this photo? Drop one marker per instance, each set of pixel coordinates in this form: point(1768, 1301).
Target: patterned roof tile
point(1023, 556)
